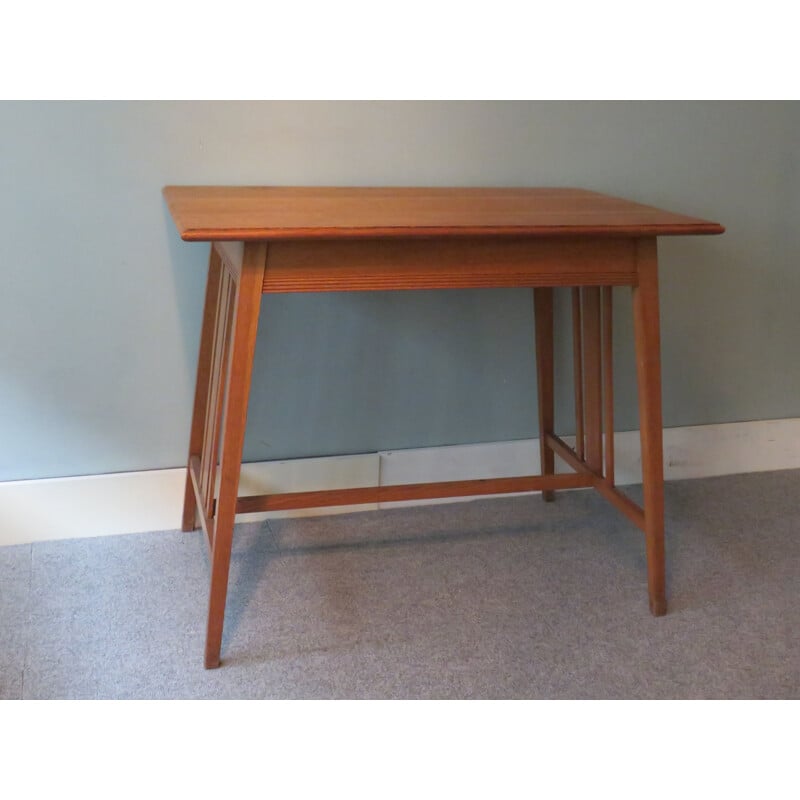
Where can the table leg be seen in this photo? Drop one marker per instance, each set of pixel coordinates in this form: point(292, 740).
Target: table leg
point(648, 368)
point(608, 383)
point(577, 370)
point(247, 304)
point(543, 311)
point(592, 376)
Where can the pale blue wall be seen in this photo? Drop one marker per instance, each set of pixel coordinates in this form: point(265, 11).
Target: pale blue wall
point(100, 301)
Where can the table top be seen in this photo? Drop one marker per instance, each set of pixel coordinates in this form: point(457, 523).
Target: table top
point(258, 213)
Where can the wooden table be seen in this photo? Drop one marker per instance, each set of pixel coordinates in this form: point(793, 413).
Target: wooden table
point(280, 239)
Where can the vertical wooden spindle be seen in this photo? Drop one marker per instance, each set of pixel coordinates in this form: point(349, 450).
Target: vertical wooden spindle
point(543, 313)
point(608, 384)
point(577, 370)
point(592, 378)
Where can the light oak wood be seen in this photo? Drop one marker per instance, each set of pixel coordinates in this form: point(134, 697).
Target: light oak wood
point(259, 213)
point(198, 433)
point(315, 266)
point(242, 349)
point(348, 239)
point(633, 512)
point(409, 491)
point(206, 522)
point(577, 370)
point(648, 368)
point(568, 455)
point(543, 315)
point(592, 379)
point(622, 503)
point(221, 353)
point(608, 383)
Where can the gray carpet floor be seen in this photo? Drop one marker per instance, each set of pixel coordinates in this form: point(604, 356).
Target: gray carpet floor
point(497, 598)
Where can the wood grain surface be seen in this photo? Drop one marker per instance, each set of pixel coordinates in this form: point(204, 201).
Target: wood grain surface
point(253, 213)
point(374, 264)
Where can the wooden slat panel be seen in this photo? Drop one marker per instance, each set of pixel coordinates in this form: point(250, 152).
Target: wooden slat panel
point(227, 324)
point(217, 389)
point(446, 263)
point(577, 369)
point(244, 318)
point(411, 491)
point(202, 383)
point(207, 452)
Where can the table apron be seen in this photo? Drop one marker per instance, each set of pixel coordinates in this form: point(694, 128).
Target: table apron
point(388, 264)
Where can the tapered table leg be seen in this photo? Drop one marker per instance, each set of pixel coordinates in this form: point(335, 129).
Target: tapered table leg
point(577, 370)
point(648, 368)
point(592, 377)
point(240, 362)
point(543, 311)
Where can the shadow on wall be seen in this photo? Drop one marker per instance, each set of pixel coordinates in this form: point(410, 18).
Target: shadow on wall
point(188, 266)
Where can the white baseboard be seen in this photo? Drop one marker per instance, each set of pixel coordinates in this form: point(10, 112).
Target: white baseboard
point(133, 502)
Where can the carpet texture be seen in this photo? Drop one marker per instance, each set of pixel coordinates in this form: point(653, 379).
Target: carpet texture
point(497, 598)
